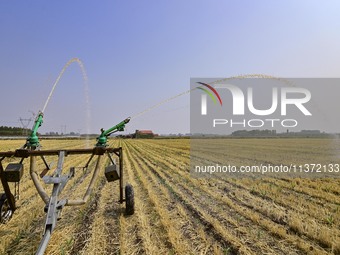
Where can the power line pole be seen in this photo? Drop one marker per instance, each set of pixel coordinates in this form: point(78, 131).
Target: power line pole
point(25, 123)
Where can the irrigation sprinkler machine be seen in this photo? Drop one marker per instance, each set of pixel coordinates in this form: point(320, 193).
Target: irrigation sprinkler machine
point(58, 179)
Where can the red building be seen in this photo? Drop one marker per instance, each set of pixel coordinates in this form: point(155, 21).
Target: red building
point(144, 134)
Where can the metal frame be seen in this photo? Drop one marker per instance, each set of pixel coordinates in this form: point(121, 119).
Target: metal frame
point(53, 205)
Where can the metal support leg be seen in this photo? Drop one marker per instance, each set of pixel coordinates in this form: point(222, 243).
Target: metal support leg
point(45, 162)
point(111, 159)
point(88, 162)
point(121, 179)
point(89, 189)
point(48, 167)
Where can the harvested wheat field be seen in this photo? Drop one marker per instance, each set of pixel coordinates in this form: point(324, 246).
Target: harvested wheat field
point(178, 214)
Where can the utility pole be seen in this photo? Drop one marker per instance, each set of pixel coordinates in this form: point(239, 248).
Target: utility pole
point(25, 123)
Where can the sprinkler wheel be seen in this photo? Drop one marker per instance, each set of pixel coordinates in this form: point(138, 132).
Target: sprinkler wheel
point(129, 200)
point(5, 210)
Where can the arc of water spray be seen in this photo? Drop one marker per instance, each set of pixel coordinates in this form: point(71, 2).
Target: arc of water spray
point(261, 76)
point(161, 103)
point(81, 65)
point(242, 76)
point(214, 82)
point(86, 88)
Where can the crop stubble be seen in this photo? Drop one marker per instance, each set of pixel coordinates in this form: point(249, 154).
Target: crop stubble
point(177, 214)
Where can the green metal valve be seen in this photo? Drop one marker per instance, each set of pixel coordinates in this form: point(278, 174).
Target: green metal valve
point(102, 139)
point(33, 140)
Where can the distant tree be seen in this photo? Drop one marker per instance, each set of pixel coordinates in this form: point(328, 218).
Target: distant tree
point(12, 131)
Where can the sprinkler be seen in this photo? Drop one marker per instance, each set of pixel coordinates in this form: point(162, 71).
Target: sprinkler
point(102, 139)
point(32, 141)
point(54, 203)
point(58, 179)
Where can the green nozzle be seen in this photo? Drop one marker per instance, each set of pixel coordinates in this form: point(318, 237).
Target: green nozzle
point(33, 140)
point(102, 139)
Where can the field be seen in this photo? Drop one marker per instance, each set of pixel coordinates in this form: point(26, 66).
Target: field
point(178, 214)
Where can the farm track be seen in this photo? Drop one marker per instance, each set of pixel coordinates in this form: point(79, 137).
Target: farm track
point(178, 214)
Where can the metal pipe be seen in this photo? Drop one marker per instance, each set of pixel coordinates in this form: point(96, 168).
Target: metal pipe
point(89, 189)
point(44, 242)
point(22, 153)
point(36, 182)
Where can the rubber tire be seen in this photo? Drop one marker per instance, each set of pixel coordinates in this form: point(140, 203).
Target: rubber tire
point(129, 200)
point(4, 202)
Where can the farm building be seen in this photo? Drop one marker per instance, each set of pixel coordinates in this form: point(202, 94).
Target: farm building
point(144, 134)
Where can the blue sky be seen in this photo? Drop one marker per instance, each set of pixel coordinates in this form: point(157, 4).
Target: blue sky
point(138, 53)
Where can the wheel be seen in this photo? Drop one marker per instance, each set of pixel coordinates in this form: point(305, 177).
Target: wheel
point(129, 200)
point(5, 210)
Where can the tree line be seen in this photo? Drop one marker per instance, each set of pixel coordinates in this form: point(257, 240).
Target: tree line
point(11, 131)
